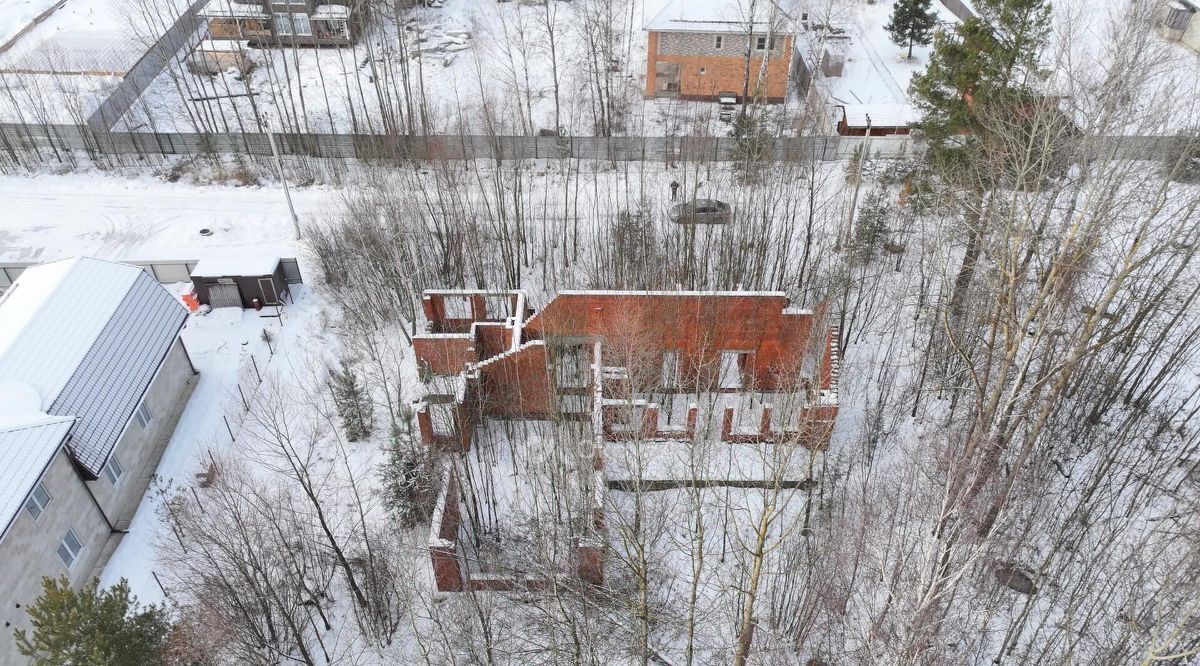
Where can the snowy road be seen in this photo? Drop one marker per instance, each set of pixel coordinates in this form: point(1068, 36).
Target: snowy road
point(50, 217)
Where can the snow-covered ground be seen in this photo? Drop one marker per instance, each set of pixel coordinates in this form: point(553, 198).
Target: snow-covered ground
point(112, 217)
point(93, 41)
point(878, 71)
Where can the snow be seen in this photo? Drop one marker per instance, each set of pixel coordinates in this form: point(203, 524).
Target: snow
point(877, 71)
point(710, 16)
point(46, 330)
point(23, 299)
point(331, 12)
point(219, 345)
point(17, 14)
point(880, 115)
point(21, 402)
point(25, 451)
point(232, 9)
point(250, 265)
point(145, 219)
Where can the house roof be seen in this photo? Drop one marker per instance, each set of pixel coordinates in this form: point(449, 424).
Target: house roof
point(88, 336)
point(26, 450)
point(331, 12)
point(230, 266)
point(230, 9)
point(715, 16)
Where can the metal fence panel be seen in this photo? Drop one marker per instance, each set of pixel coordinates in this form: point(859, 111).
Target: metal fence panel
point(291, 271)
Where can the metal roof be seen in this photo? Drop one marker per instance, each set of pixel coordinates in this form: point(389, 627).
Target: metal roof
point(89, 335)
point(25, 452)
point(717, 16)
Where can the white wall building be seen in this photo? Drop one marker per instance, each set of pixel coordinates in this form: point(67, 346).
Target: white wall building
point(93, 377)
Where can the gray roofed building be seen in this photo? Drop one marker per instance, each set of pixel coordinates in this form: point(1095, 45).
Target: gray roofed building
point(89, 335)
point(93, 378)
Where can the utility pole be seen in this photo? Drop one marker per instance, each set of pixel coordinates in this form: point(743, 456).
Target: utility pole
point(283, 179)
point(862, 158)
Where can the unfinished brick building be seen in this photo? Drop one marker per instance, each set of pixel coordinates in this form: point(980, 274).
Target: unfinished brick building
point(730, 367)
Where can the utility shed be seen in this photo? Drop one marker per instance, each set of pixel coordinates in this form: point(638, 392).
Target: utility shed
point(238, 281)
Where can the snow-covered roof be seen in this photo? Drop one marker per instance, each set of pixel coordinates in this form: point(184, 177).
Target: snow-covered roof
point(87, 335)
point(880, 115)
point(25, 452)
point(249, 266)
point(232, 9)
point(716, 16)
point(331, 12)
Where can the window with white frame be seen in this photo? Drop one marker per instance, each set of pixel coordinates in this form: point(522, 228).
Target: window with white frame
point(113, 470)
point(38, 500)
point(764, 43)
point(142, 415)
point(719, 42)
point(301, 24)
point(283, 24)
point(69, 549)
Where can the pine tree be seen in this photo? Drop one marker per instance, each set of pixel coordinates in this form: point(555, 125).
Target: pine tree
point(89, 626)
point(407, 483)
point(353, 404)
point(912, 22)
point(986, 61)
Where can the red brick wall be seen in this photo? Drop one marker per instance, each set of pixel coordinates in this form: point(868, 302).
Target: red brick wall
point(517, 385)
point(638, 328)
point(444, 356)
point(446, 572)
point(492, 339)
point(721, 73)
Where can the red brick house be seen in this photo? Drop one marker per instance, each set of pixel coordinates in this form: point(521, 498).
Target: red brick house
point(618, 360)
point(697, 49)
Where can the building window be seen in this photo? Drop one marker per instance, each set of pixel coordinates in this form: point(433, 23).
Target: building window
point(574, 366)
point(142, 415)
point(68, 550)
point(760, 43)
point(301, 25)
point(38, 500)
point(443, 419)
point(458, 307)
point(702, 71)
point(283, 24)
point(113, 470)
point(292, 24)
point(720, 42)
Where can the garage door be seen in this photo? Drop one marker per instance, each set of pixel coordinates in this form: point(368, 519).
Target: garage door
point(224, 296)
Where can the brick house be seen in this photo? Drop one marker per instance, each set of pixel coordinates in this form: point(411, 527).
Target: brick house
point(629, 366)
point(697, 49)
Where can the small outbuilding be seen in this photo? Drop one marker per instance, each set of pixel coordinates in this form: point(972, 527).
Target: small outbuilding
point(240, 282)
